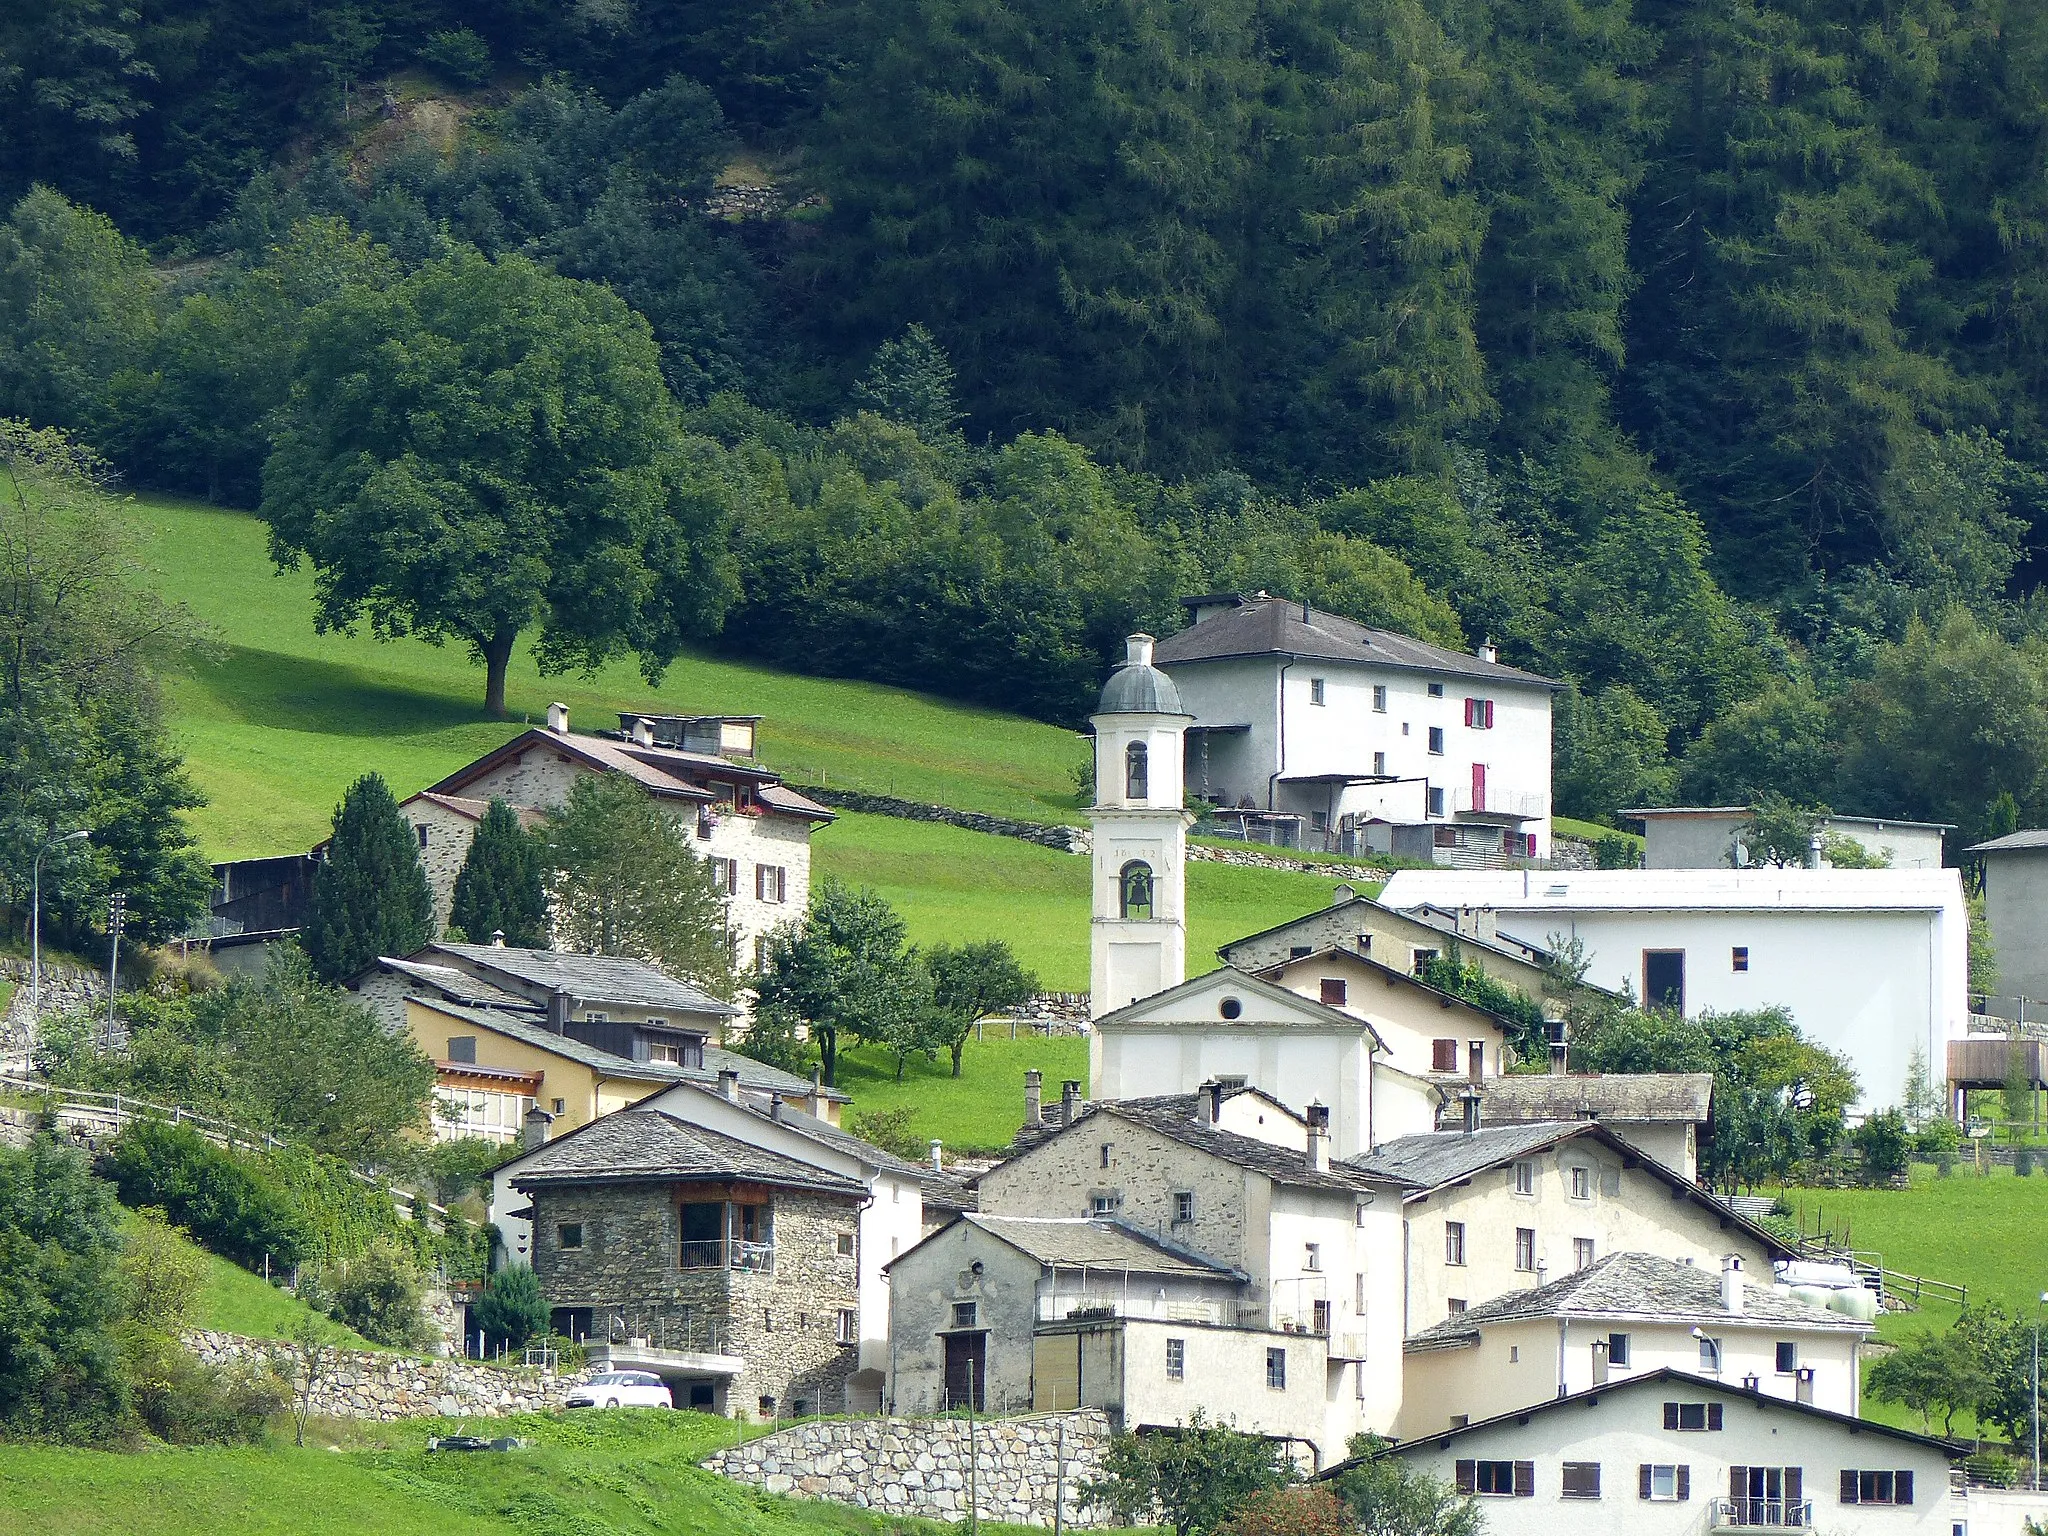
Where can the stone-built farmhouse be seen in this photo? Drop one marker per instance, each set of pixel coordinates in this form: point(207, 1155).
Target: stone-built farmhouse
point(739, 1264)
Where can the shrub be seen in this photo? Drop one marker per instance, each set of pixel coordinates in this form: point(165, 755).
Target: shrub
point(377, 1293)
point(891, 1130)
point(1993, 1467)
point(1288, 1512)
point(511, 1309)
point(219, 1198)
point(1939, 1136)
point(461, 55)
point(1885, 1144)
point(2023, 1162)
point(186, 1402)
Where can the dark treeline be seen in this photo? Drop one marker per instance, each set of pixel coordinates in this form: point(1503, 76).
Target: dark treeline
point(1690, 351)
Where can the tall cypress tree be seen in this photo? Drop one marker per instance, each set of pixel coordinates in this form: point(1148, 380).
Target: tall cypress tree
point(371, 896)
point(499, 889)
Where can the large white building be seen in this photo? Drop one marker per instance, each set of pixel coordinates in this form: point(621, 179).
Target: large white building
point(1871, 963)
point(1371, 739)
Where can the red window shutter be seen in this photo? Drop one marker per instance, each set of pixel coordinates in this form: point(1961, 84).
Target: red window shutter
point(1643, 1481)
point(1902, 1487)
point(1489, 714)
point(1848, 1486)
point(1468, 1477)
point(1525, 1479)
point(1684, 1484)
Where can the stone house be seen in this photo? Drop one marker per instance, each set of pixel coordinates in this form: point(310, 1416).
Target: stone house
point(755, 829)
point(1630, 1313)
point(1668, 1453)
point(624, 1005)
point(444, 825)
point(740, 1266)
point(1663, 1114)
point(1505, 1208)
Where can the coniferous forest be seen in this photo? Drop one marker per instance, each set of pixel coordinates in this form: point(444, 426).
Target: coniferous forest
point(1693, 352)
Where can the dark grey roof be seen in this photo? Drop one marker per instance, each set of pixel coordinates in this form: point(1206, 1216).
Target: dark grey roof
point(1173, 1117)
point(590, 978)
point(1663, 1378)
point(1275, 627)
point(942, 1190)
point(2013, 842)
point(1077, 1241)
point(1433, 1159)
point(457, 986)
point(1636, 1286)
point(635, 1145)
point(531, 1028)
point(1524, 1097)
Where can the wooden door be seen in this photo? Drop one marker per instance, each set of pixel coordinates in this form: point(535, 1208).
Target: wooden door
point(967, 1370)
point(1479, 786)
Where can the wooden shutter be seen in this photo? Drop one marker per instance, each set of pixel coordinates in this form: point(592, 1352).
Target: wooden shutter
point(1713, 1415)
point(1902, 1487)
point(1738, 1482)
point(1489, 714)
point(1525, 1479)
point(1684, 1483)
point(760, 882)
point(1671, 1415)
point(1468, 1477)
point(1643, 1481)
point(1848, 1486)
point(1794, 1478)
point(1443, 1055)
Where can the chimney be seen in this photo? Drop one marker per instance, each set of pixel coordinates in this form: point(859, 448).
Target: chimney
point(1553, 1031)
point(818, 1092)
point(559, 1004)
point(643, 733)
point(1752, 1382)
point(1319, 1137)
point(1475, 1060)
point(558, 718)
point(1813, 851)
point(1304, 611)
point(1209, 1102)
point(1342, 894)
point(497, 938)
point(1034, 1096)
point(1138, 651)
point(1487, 652)
point(774, 1106)
point(533, 1130)
point(1731, 1285)
point(1070, 1101)
point(938, 1156)
point(1468, 1100)
point(729, 1085)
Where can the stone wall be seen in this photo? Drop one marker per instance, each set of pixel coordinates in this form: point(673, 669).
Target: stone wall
point(923, 1467)
point(66, 989)
point(369, 1384)
point(1255, 858)
point(1047, 1013)
point(1065, 839)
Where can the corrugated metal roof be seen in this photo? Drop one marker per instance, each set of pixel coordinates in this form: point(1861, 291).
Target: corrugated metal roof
point(1275, 627)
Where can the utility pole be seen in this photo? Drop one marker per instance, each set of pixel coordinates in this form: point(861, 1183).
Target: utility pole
point(117, 919)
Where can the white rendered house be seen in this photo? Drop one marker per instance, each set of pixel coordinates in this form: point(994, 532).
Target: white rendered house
point(1871, 963)
point(1372, 739)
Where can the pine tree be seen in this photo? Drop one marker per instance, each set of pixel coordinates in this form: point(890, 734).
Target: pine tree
point(499, 888)
point(911, 381)
point(370, 896)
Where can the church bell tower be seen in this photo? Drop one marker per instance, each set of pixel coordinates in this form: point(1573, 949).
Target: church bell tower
point(1139, 937)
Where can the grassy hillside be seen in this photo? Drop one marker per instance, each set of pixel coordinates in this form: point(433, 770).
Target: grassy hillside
point(983, 1108)
point(611, 1474)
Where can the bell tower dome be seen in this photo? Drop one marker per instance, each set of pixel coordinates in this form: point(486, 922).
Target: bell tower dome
point(1138, 940)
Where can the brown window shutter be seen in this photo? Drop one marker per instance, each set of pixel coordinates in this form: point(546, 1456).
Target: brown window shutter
point(1468, 1477)
point(1738, 1482)
point(1684, 1484)
point(1848, 1486)
point(1902, 1487)
point(1643, 1481)
point(1443, 1055)
point(1671, 1415)
point(1525, 1479)
point(1713, 1415)
point(1794, 1492)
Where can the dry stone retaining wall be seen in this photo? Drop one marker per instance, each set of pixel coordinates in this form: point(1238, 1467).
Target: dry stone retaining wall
point(368, 1384)
point(923, 1467)
point(1065, 839)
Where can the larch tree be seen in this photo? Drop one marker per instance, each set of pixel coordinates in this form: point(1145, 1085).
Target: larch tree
point(502, 886)
point(370, 895)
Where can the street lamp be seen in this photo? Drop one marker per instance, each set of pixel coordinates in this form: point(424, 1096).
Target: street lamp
point(35, 925)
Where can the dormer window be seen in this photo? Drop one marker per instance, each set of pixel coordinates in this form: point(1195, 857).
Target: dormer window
point(1137, 777)
point(1135, 882)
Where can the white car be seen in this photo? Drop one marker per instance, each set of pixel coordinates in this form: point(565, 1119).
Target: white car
point(620, 1389)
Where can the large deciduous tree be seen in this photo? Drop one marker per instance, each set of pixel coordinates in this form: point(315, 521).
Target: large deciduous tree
point(370, 894)
point(484, 447)
point(843, 972)
point(970, 982)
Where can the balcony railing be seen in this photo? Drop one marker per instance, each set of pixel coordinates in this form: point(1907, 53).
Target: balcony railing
point(1497, 801)
point(716, 1253)
point(1763, 1514)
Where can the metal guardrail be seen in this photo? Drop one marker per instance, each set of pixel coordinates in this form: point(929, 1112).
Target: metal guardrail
point(1763, 1514)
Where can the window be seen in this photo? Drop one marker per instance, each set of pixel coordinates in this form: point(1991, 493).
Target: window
point(666, 1052)
point(771, 883)
point(1436, 690)
point(1379, 698)
point(1137, 775)
point(1230, 1007)
point(569, 1235)
point(1104, 1206)
point(1664, 1484)
point(965, 1313)
point(846, 1328)
point(1877, 1487)
point(1455, 1307)
point(559, 1106)
point(1331, 992)
point(1436, 801)
point(1436, 741)
point(725, 876)
point(1479, 714)
point(1582, 1253)
point(1582, 1479)
point(421, 828)
point(1176, 1359)
point(1692, 1416)
point(1582, 1183)
point(1320, 1317)
point(842, 1244)
point(1276, 1369)
point(1443, 1054)
point(1312, 1257)
point(593, 1017)
point(1525, 1248)
point(1498, 1479)
point(1525, 1177)
point(1617, 1349)
point(1514, 1354)
point(1788, 1358)
point(462, 1048)
point(1379, 764)
point(1319, 821)
point(1315, 690)
point(1106, 1148)
point(1135, 883)
point(1184, 1205)
point(1768, 1496)
point(1739, 957)
point(1710, 1356)
point(1454, 1242)
point(1664, 979)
